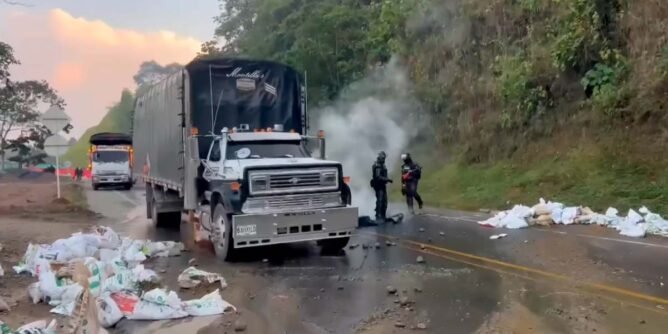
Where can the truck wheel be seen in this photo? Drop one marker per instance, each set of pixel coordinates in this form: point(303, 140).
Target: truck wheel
point(221, 235)
point(334, 245)
point(95, 187)
point(128, 186)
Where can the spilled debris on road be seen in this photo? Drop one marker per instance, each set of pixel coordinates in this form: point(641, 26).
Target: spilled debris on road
point(635, 224)
point(96, 279)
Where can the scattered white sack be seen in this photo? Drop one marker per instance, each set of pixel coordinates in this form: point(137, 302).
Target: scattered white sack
point(38, 327)
point(192, 277)
point(632, 226)
point(34, 293)
point(157, 304)
point(512, 219)
point(96, 269)
point(163, 248)
point(655, 223)
point(494, 221)
point(108, 255)
point(68, 300)
point(27, 264)
point(108, 312)
point(123, 280)
point(142, 274)
point(211, 304)
point(108, 238)
point(50, 287)
point(568, 215)
point(126, 302)
point(133, 254)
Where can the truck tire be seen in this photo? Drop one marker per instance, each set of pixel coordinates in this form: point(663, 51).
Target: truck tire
point(164, 219)
point(334, 245)
point(95, 187)
point(221, 234)
point(128, 186)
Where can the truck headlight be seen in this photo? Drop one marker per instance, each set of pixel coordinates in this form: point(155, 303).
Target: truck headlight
point(259, 183)
point(328, 179)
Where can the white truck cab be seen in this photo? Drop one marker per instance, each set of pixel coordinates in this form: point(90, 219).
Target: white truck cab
point(110, 161)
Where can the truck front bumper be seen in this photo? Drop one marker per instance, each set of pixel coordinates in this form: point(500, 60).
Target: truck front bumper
point(111, 179)
point(288, 227)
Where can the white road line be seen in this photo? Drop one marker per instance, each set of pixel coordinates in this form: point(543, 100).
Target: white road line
point(624, 241)
point(649, 244)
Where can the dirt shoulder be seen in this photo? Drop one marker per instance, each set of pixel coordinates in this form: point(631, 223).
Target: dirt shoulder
point(30, 213)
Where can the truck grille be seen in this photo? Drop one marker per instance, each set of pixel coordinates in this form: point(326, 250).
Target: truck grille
point(292, 202)
point(293, 181)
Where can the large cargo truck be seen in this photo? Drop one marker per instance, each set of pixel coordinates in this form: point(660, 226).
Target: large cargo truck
point(227, 142)
point(110, 160)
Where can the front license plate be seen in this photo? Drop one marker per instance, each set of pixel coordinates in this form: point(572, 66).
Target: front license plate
point(246, 230)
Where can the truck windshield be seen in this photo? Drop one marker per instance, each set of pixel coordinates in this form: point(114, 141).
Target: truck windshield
point(111, 156)
point(266, 149)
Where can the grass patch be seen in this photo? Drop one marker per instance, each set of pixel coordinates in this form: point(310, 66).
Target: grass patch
point(593, 180)
point(75, 197)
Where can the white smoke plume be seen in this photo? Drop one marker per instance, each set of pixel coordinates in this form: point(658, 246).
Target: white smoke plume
point(375, 114)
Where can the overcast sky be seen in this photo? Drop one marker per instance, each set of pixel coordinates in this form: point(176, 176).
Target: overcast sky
point(89, 49)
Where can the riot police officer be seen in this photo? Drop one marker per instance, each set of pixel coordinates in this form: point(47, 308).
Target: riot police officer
point(410, 175)
point(379, 183)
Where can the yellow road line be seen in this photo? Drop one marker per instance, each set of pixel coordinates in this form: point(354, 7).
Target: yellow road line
point(559, 277)
point(523, 276)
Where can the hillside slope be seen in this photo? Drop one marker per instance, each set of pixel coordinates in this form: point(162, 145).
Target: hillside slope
point(117, 119)
point(564, 99)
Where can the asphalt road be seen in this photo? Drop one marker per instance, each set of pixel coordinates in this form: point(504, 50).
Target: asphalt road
point(574, 279)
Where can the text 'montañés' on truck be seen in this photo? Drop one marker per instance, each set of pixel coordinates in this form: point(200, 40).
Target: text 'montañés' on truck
point(110, 159)
point(226, 141)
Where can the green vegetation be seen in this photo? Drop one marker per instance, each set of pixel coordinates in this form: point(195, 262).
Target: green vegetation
point(117, 119)
point(558, 98)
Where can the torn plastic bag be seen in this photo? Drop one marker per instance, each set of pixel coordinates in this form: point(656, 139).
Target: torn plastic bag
point(108, 312)
point(211, 304)
point(157, 304)
point(68, 300)
point(192, 277)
